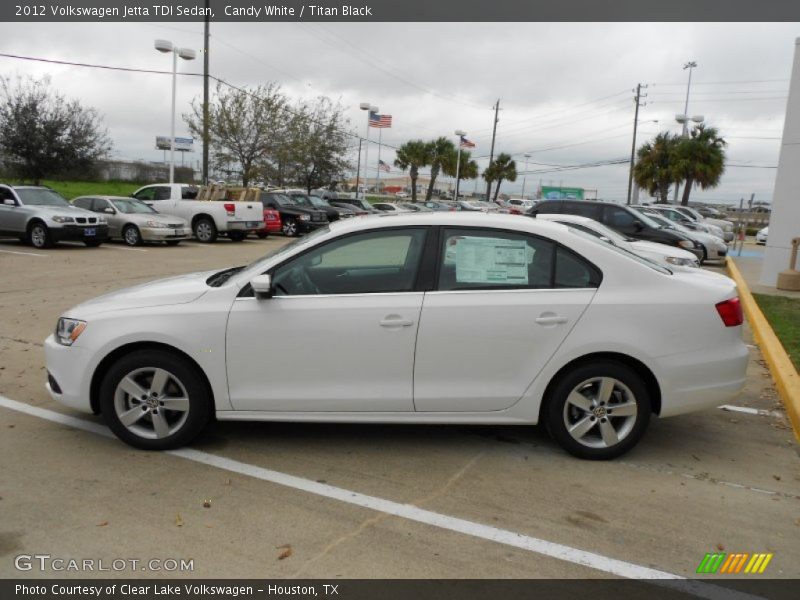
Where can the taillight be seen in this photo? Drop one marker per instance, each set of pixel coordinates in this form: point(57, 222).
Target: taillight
point(230, 208)
point(731, 312)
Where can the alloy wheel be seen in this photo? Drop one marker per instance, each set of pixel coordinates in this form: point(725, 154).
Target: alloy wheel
point(600, 412)
point(38, 236)
point(151, 403)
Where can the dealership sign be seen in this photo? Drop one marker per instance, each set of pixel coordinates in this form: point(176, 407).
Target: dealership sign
point(561, 193)
point(181, 144)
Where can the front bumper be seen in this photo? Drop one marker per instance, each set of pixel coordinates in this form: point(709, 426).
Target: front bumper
point(728, 236)
point(717, 252)
point(69, 368)
point(306, 226)
point(79, 233)
point(160, 234)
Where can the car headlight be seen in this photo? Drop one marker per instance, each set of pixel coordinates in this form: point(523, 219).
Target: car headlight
point(728, 228)
point(102, 220)
point(68, 330)
point(305, 217)
point(155, 225)
point(682, 262)
point(686, 244)
point(60, 219)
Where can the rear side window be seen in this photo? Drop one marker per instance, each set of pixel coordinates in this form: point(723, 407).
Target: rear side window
point(161, 193)
point(619, 218)
point(547, 208)
point(189, 192)
point(572, 271)
point(582, 209)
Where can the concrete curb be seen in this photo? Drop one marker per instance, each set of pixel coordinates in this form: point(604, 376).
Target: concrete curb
point(787, 380)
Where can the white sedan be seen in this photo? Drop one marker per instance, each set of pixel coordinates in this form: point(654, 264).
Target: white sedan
point(668, 256)
point(761, 236)
point(454, 318)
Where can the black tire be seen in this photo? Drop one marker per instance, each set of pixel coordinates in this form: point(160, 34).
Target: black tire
point(629, 388)
point(173, 242)
point(261, 235)
point(186, 374)
point(39, 235)
point(289, 228)
point(237, 236)
point(205, 231)
point(131, 235)
point(705, 256)
point(93, 243)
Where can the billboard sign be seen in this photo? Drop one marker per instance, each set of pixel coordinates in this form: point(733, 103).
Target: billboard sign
point(182, 144)
point(561, 193)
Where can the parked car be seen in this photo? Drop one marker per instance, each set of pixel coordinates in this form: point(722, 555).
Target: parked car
point(671, 257)
point(592, 342)
point(623, 219)
point(714, 249)
point(134, 222)
point(726, 226)
point(401, 195)
point(761, 236)
point(295, 217)
point(506, 207)
point(710, 212)
point(272, 223)
point(392, 207)
point(478, 205)
point(358, 203)
point(42, 217)
point(677, 216)
point(357, 209)
point(334, 213)
point(208, 218)
point(439, 205)
point(523, 203)
point(416, 207)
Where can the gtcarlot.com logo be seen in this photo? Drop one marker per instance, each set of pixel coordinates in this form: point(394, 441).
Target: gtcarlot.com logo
point(736, 563)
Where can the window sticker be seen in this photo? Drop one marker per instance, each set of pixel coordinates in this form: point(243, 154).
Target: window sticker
point(491, 261)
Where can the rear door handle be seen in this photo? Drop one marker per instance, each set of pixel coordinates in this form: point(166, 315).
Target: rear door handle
point(393, 321)
point(551, 320)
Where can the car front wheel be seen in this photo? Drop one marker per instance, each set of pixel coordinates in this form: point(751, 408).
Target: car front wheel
point(289, 228)
point(155, 400)
point(598, 410)
point(39, 236)
point(131, 236)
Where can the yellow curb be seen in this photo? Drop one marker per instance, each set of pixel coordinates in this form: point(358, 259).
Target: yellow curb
point(787, 381)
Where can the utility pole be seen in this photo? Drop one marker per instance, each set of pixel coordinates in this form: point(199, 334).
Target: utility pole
point(205, 93)
point(358, 170)
point(637, 100)
point(685, 131)
point(491, 152)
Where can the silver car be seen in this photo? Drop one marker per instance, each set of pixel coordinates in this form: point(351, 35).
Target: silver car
point(714, 248)
point(135, 222)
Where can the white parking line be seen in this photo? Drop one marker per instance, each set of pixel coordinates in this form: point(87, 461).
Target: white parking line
point(25, 253)
point(111, 247)
point(750, 411)
point(576, 556)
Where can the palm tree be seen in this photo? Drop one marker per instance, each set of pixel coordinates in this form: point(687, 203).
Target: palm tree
point(468, 168)
point(502, 168)
point(654, 169)
point(412, 155)
point(441, 151)
point(700, 159)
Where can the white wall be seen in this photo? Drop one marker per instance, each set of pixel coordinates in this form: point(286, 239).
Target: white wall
point(784, 223)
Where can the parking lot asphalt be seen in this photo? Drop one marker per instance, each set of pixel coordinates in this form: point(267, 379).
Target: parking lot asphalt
point(714, 481)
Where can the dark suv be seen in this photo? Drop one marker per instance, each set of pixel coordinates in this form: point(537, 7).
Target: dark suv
point(620, 218)
point(295, 218)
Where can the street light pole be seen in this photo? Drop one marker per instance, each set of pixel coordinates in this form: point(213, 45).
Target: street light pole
point(165, 46)
point(460, 134)
point(689, 65)
point(370, 109)
point(639, 87)
point(525, 175)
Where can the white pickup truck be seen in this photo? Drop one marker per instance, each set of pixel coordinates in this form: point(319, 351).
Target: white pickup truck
point(209, 218)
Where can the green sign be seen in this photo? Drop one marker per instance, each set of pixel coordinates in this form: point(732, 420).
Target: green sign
point(561, 193)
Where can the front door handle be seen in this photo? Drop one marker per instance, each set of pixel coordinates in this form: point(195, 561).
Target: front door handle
point(395, 321)
point(551, 320)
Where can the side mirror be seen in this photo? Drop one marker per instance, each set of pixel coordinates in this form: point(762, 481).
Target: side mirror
point(109, 210)
point(262, 286)
point(9, 202)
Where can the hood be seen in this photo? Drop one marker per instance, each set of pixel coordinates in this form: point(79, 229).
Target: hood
point(66, 211)
point(172, 290)
point(663, 249)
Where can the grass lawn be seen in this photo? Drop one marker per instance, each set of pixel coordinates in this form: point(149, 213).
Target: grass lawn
point(784, 315)
point(73, 189)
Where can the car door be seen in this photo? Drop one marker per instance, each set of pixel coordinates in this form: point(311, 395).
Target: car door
point(503, 303)
point(352, 300)
point(114, 218)
point(13, 218)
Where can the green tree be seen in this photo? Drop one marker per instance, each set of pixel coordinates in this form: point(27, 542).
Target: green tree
point(502, 168)
point(655, 168)
point(441, 152)
point(413, 155)
point(468, 168)
point(44, 134)
point(699, 159)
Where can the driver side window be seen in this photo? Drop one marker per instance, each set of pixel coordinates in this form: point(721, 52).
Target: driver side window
point(372, 262)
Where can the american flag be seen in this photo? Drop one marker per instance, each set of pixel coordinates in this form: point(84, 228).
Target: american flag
point(383, 166)
point(465, 143)
point(379, 121)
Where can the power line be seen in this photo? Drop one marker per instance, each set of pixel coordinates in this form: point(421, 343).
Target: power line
point(92, 66)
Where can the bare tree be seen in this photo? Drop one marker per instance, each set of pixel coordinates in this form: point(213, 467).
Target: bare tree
point(44, 134)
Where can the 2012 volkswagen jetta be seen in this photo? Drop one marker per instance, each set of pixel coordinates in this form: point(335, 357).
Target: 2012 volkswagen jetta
point(453, 317)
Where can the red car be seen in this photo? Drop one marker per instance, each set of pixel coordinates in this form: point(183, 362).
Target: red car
point(272, 223)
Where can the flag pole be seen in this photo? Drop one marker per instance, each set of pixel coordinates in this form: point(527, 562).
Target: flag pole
point(378, 179)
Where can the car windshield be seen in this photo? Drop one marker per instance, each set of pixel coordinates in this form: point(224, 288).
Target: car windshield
point(284, 200)
point(130, 207)
point(650, 219)
point(596, 229)
point(303, 200)
point(316, 201)
point(665, 223)
point(40, 197)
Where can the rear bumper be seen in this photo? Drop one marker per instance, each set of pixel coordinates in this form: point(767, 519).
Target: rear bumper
point(702, 379)
point(78, 233)
point(244, 225)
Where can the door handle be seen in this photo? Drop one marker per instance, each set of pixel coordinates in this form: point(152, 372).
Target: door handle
point(551, 320)
point(396, 322)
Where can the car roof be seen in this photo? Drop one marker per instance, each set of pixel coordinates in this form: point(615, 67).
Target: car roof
point(565, 217)
point(105, 197)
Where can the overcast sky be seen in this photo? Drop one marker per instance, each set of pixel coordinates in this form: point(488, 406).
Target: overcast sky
point(565, 89)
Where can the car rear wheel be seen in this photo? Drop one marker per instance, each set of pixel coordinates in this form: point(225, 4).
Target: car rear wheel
point(261, 235)
point(599, 410)
point(236, 236)
point(154, 400)
point(205, 231)
point(131, 235)
point(289, 228)
point(173, 242)
point(39, 236)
